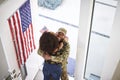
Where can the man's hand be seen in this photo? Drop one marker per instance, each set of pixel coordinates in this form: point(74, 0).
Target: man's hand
point(61, 45)
point(46, 56)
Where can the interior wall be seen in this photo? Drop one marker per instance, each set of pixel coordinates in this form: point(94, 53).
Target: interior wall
point(3, 63)
point(6, 10)
point(67, 11)
point(65, 15)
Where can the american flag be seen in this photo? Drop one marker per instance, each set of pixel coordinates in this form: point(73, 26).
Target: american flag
point(21, 28)
point(44, 29)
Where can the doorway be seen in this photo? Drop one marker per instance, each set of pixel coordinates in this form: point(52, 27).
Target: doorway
point(102, 20)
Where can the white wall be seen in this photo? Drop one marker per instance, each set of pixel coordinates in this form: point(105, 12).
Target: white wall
point(3, 63)
point(6, 10)
point(67, 12)
point(113, 51)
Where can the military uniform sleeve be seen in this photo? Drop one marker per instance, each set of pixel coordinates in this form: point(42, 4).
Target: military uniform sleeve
point(40, 52)
point(64, 53)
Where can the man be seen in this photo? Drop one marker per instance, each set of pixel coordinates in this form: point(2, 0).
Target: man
point(63, 52)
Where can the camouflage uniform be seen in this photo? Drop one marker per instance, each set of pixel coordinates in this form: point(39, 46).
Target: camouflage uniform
point(62, 58)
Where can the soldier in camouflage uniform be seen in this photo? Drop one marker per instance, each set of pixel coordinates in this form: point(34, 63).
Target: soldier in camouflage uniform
point(64, 52)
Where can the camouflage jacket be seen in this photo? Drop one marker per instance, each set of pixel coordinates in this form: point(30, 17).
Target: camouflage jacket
point(62, 53)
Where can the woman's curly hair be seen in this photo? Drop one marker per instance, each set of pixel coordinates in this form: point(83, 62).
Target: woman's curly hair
point(48, 42)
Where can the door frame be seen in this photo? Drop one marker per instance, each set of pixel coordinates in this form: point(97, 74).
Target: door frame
point(85, 21)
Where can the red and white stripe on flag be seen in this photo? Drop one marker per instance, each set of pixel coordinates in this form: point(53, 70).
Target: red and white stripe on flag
point(22, 36)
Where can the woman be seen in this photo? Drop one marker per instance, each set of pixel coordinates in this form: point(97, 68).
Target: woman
point(49, 44)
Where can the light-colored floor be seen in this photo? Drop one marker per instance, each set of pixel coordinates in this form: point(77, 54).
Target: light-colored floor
point(33, 64)
point(39, 76)
point(34, 67)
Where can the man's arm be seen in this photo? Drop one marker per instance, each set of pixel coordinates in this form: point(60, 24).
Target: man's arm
point(64, 53)
point(40, 52)
point(46, 56)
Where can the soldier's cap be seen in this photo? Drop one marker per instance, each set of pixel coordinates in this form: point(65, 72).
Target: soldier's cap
point(62, 30)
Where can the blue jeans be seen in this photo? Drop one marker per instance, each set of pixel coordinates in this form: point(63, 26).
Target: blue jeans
point(52, 71)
